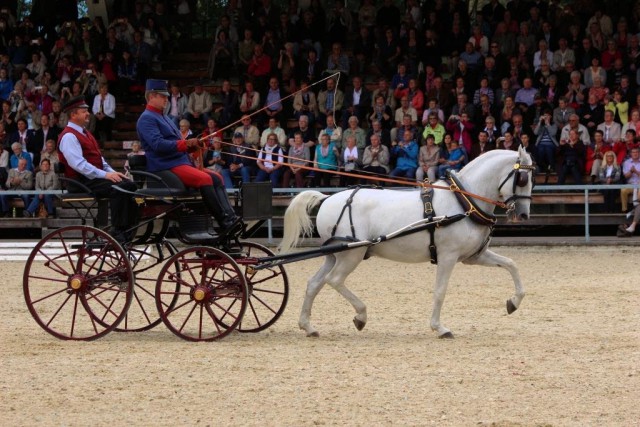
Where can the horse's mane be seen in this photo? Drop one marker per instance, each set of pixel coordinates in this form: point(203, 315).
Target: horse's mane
point(498, 153)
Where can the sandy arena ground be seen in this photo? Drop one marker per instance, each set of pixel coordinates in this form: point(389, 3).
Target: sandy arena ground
point(570, 356)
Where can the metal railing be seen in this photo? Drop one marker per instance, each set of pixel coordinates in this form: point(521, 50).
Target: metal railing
point(586, 189)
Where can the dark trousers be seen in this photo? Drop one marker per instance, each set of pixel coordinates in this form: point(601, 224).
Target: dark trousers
point(610, 200)
point(545, 156)
point(298, 177)
point(573, 169)
point(124, 210)
point(323, 179)
point(104, 129)
point(372, 172)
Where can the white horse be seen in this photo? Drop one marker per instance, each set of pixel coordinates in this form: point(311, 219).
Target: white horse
point(498, 175)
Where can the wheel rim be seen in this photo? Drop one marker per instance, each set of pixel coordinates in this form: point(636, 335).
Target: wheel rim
point(77, 283)
point(209, 296)
point(268, 289)
point(146, 262)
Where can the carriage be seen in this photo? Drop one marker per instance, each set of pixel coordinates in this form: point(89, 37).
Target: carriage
point(80, 283)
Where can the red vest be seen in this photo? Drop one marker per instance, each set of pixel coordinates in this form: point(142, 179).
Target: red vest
point(90, 151)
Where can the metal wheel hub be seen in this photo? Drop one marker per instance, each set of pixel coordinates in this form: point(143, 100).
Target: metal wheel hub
point(201, 294)
point(76, 283)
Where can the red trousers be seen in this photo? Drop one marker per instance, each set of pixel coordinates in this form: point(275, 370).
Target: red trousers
point(196, 178)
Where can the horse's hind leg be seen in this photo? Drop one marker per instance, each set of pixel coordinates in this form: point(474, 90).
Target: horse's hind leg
point(492, 259)
point(314, 285)
point(347, 262)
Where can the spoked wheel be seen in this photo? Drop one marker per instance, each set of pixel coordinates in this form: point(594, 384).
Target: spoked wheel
point(146, 262)
point(268, 289)
point(78, 283)
point(207, 299)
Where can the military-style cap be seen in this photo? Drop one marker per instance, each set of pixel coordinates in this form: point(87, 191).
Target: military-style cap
point(76, 102)
point(157, 86)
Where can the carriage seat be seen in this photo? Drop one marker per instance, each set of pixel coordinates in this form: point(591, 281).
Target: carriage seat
point(158, 184)
point(81, 199)
point(72, 189)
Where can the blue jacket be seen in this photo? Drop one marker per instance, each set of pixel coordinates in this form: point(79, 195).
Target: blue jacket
point(159, 137)
point(407, 157)
point(6, 87)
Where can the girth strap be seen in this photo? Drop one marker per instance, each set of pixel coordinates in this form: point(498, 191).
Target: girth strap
point(347, 205)
point(426, 194)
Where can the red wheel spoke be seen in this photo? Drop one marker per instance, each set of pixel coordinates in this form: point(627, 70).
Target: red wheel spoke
point(200, 322)
point(225, 310)
point(212, 316)
point(229, 308)
point(190, 271)
point(267, 291)
point(255, 315)
point(105, 306)
point(53, 261)
point(262, 279)
point(49, 296)
point(145, 290)
point(59, 308)
point(264, 304)
point(48, 279)
point(144, 312)
point(188, 317)
point(176, 308)
point(75, 311)
point(68, 252)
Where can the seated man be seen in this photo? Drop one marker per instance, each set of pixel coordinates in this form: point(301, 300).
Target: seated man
point(406, 154)
point(270, 162)
point(83, 161)
point(166, 150)
point(631, 172)
point(329, 102)
point(239, 161)
point(20, 178)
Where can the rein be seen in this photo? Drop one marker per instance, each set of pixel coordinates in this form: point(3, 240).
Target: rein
point(376, 177)
point(457, 189)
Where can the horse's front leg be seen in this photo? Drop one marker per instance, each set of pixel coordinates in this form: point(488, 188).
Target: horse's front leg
point(492, 259)
point(443, 273)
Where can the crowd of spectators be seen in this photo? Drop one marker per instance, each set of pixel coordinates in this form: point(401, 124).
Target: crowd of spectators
point(561, 81)
point(44, 64)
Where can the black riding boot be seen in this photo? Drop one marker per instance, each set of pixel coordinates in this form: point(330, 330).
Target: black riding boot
point(218, 204)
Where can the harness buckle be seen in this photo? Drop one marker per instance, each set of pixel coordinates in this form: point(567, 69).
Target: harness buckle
point(428, 208)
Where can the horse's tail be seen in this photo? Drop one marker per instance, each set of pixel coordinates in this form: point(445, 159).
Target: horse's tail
point(297, 221)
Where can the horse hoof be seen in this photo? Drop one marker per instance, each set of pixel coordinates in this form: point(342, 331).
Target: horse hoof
point(510, 307)
point(359, 324)
point(447, 335)
point(314, 334)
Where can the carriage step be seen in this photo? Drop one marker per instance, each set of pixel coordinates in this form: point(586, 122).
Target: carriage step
point(202, 238)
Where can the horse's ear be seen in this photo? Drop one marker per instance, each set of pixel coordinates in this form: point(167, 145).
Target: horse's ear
point(521, 152)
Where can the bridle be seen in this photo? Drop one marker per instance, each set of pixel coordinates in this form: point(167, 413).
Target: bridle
point(520, 174)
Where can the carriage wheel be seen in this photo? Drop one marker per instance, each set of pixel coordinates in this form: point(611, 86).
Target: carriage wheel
point(268, 289)
point(78, 283)
point(146, 262)
point(207, 300)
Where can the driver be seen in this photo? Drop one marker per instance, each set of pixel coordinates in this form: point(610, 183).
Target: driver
point(166, 150)
point(80, 153)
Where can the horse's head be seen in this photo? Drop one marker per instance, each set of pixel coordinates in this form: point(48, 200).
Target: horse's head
point(515, 188)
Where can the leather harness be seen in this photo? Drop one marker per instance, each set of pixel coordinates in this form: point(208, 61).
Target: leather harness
point(471, 211)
